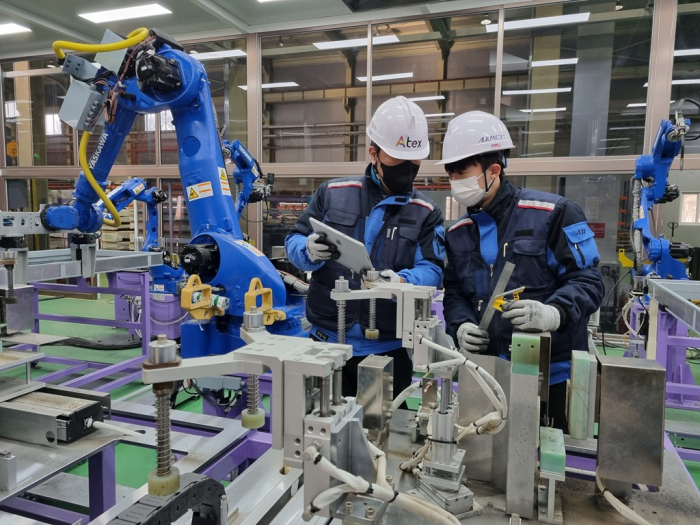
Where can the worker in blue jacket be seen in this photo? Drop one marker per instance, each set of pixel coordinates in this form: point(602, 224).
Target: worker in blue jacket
point(547, 238)
point(401, 228)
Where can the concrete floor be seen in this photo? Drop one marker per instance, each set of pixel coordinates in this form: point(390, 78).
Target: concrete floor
point(134, 463)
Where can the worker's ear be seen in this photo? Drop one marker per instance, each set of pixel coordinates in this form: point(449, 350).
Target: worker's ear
point(373, 155)
point(495, 171)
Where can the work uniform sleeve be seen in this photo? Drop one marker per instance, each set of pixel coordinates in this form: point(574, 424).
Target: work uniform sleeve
point(295, 243)
point(457, 306)
point(429, 261)
point(571, 244)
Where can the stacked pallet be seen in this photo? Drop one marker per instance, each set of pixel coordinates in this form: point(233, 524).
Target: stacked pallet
point(123, 237)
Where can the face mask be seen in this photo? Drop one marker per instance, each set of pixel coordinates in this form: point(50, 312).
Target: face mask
point(399, 179)
point(467, 191)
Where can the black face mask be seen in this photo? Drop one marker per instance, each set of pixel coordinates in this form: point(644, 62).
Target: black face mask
point(399, 179)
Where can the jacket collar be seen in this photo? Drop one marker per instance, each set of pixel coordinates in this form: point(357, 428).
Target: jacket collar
point(500, 202)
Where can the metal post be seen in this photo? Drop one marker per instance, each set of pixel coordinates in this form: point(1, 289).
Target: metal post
point(325, 398)
point(341, 285)
point(338, 386)
point(102, 473)
point(145, 312)
point(499, 63)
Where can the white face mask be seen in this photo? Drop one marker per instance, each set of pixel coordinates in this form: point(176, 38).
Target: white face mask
point(467, 191)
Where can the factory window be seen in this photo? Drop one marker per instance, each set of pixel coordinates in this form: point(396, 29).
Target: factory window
point(575, 78)
point(686, 66)
point(447, 65)
point(313, 98)
point(689, 209)
point(225, 63)
point(33, 134)
point(166, 121)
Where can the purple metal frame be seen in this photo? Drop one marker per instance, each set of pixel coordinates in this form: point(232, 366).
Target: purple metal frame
point(672, 341)
point(130, 368)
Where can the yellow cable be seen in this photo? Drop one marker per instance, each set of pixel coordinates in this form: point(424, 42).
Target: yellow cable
point(117, 220)
point(136, 36)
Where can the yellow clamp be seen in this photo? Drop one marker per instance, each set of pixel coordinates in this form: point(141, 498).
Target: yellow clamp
point(270, 315)
point(500, 300)
point(624, 260)
point(198, 299)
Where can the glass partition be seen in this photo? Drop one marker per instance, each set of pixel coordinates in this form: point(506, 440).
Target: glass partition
point(314, 95)
point(34, 135)
point(575, 78)
point(446, 65)
point(225, 63)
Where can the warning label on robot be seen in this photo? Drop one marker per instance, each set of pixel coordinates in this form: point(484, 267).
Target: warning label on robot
point(251, 248)
point(199, 191)
point(223, 180)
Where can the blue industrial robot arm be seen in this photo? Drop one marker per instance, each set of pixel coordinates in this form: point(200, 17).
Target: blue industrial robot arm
point(651, 187)
point(247, 173)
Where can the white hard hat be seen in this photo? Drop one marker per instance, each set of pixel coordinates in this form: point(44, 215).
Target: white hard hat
point(473, 133)
point(399, 127)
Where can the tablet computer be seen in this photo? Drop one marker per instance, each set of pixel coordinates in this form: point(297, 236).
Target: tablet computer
point(353, 254)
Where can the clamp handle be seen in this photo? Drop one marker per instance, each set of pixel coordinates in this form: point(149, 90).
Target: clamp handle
point(270, 315)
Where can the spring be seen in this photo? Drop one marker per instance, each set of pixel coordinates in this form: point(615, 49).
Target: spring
point(10, 281)
point(372, 314)
point(341, 322)
point(253, 394)
point(163, 435)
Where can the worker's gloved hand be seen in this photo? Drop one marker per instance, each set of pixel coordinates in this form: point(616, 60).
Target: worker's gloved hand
point(319, 249)
point(532, 316)
point(473, 339)
point(390, 276)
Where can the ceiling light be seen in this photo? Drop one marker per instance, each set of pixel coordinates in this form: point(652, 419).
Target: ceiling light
point(9, 29)
point(50, 65)
point(615, 147)
point(614, 140)
point(543, 143)
point(618, 5)
point(637, 105)
point(440, 115)
point(560, 62)
point(681, 82)
point(539, 132)
point(125, 13)
point(219, 54)
point(626, 128)
point(536, 154)
point(356, 42)
point(486, 21)
point(542, 110)
point(421, 99)
point(536, 91)
point(274, 85)
point(541, 22)
point(393, 76)
point(686, 52)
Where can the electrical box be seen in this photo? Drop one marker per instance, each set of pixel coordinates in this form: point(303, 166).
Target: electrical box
point(632, 394)
point(81, 107)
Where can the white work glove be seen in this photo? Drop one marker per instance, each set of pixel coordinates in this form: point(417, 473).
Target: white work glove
point(532, 316)
point(390, 276)
point(319, 249)
point(471, 338)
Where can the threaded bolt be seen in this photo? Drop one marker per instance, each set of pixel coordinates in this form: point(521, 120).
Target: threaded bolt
point(341, 322)
point(372, 314)
point(10, 281)
point(348, 507)
point(369, 513)
point(163, 434)
point(253, 394)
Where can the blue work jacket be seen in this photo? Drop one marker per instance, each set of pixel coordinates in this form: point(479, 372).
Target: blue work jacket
point(403, 233)
point(549, 241)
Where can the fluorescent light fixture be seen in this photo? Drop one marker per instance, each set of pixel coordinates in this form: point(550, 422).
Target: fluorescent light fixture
point(356, 42)
point(539, 132)
point(536, 91)
point(626, 128)
point(614, 140)
point(219, 54)
point(9, 29)
point(686, 52)
point(637, 105)
point(542, 143)
point(421, 99)
point(542, 110)
point(393, 76)
point(681, 82)
point(125, 13)
point(274, 85)
point(615, 147)
point(560, 62)
point(440, 115)
point(536, 154)
point(541, 22)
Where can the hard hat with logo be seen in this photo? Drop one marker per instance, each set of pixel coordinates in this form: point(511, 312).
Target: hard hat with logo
point(474, 133)
point(399, 127)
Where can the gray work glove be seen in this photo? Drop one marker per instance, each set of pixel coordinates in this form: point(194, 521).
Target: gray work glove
point(532, 316)
point(319, 249)
point(471, 338)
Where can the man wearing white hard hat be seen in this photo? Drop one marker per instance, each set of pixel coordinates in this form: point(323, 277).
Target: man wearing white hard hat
point(547, 238)
point(400, 226)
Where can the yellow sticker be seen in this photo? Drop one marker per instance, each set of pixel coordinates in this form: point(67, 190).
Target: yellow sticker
point(251, 248)
point(199, 191)
point(139, 188)
point(223, 180)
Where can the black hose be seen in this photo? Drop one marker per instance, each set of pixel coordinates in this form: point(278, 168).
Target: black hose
point(92, 345)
